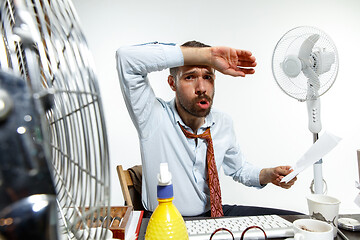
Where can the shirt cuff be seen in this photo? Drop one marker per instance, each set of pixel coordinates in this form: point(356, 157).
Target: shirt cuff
point(174, 56)
point(256, 181)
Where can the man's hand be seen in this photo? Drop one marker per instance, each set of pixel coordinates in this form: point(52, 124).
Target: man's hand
point(226, 60)
point(274, 175)
point(232, 61)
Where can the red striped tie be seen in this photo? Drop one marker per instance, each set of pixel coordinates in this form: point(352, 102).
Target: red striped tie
point(213, 178)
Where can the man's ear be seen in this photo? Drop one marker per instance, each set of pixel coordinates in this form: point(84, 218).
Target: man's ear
point(171, 82)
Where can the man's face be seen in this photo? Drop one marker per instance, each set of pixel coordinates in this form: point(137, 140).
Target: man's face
point(194, 88)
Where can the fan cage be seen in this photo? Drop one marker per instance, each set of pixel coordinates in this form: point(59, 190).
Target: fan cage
point(297, 87)
point(57, 58)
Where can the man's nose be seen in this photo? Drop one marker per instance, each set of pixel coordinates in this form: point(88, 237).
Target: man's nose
point(200, 87)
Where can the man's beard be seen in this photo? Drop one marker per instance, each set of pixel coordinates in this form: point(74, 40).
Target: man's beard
point(191, 106)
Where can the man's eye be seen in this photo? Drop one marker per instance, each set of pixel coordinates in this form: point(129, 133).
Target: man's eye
point(208, 77)
point(189, 77)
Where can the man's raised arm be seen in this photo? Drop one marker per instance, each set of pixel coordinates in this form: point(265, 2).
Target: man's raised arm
point(230, 61)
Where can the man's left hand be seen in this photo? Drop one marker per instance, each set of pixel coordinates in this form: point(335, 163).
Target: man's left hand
point(275, 175)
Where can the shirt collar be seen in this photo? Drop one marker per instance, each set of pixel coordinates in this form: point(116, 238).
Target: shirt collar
point(209, 120)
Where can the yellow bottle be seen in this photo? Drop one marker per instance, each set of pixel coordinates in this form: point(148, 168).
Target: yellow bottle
point(166, 221)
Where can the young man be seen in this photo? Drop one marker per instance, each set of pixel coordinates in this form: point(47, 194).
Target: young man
point(164, 128)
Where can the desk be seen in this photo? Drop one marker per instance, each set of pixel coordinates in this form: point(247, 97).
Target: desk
point(350, 235)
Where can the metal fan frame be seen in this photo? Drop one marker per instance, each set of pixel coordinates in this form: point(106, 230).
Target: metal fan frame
point(42, 41)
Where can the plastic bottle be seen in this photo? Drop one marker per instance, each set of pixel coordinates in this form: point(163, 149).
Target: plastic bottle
point(166, 221)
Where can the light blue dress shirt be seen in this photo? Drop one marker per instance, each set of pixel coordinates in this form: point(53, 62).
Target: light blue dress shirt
point(161, 139)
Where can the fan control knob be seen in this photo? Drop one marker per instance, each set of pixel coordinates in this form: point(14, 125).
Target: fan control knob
point(291, 66)
point(6, 104)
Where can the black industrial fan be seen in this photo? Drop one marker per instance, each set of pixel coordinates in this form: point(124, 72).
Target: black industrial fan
point(54, 164)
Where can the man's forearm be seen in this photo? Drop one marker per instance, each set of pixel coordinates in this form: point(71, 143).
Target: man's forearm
point(196, 56)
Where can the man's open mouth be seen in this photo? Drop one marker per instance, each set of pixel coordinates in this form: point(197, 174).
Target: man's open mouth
point(203, 103)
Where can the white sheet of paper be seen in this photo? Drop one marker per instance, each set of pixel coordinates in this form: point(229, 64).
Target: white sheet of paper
point(316, 152)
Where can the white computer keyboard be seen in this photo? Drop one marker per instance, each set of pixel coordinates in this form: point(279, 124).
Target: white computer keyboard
point(274, 226)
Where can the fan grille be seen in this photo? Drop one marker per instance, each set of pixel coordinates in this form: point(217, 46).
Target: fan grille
point(297, 87)
point(58, 58)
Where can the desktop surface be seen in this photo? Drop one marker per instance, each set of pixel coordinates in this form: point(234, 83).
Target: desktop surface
point(349, 234)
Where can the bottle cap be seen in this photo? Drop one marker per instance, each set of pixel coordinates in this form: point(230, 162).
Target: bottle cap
point(165, 191)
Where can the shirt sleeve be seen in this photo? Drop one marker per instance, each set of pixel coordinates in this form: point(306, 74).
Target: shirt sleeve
point(235, 164)
point(133, 65)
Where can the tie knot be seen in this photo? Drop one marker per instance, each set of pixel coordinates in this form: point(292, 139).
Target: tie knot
point(205, 135)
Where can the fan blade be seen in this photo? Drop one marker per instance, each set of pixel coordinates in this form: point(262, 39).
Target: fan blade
point(306, 48)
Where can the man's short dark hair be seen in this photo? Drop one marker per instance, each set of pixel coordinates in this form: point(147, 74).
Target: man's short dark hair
point(174, 70)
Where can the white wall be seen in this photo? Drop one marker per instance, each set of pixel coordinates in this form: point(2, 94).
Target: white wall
point(271, 126)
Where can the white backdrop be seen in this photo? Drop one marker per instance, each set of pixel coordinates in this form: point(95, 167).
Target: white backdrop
point(271, 126)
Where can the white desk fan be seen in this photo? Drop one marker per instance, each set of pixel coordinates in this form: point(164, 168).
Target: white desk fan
point(305, 65)
point(49, 103)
